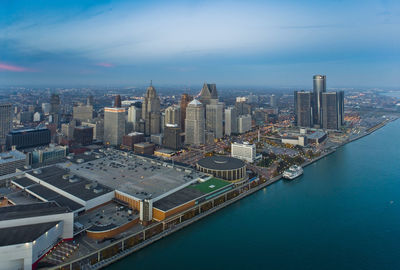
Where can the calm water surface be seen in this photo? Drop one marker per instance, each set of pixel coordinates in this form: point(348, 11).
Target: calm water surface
point(343, 213)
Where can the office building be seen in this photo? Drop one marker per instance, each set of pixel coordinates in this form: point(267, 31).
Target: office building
point(27, 138)
point(172, 137)
point(114, 125)
point(231, 121)
point(332, 110)
point(272, 100)
point(242, 107)
point(82, 112)
point(303, 108)
point(195, 123)
point(244, 123)
point(46, 108)
point(117, 101)
point(55, 109)
point(37, 117)
point(172, 116)
point(151, 112)
point(185, 99)
point(128, 141)
point(144, 148)
point(134, 115)
point(208, 93)
point(6, 116)
point(83, 135)
point(214, 119)
point(319, 87)
point(98, 128)
point(244, 151)
point(49, 154)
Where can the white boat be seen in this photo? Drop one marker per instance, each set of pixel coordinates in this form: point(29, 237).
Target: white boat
point(293, 172)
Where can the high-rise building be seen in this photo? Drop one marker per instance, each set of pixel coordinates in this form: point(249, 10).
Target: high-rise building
point(272, 100)
point(98, 128)
point(27, 138)
point(114, 125)
point(319, 87)
point(332, 110)
point(302, 107)
point(55, 107)
point(134, 115)
point(242, 107)
point(208, 93)
point(172, 116)
point(90, 100)
point(82, 112)
point(151, 111)
point(46, 107)
point(195, 123)
point(5, 121)
point(172, 137)
point(117, 101)
point(244, 123)
point(214, 119)
point(185, 99)
point(83, 135)
point(231, 121)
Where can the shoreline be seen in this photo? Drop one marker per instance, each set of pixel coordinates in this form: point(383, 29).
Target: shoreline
point(165, 232)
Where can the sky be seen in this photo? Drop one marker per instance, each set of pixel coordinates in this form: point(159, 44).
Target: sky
point(277, 43)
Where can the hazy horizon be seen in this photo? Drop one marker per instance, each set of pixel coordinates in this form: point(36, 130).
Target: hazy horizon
point(274, 44)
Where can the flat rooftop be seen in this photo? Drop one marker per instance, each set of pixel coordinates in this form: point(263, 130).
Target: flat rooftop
point(10, 156)
point(136, 175)
point(31, 210)
point(24, 234)
point(190, 193)
point(75, 185)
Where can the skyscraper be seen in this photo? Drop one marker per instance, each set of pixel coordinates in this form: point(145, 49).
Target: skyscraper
point(302, 106)
point(272, 100)
point(117, 101)
point(195, 123)
point(332, 110)
point(214, 119)
point(5, 121)
point(151, 111)
point(208, 93)
point(114, 125)
point(231, 121)
point(134, 115)
point(82, 112)
point(319, 87)
point(55, 108)
point(185, 99)
point(173, 116)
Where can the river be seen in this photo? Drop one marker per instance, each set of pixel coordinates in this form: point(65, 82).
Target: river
point(343, 213)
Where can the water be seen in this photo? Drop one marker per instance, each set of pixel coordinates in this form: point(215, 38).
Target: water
point(343, 213)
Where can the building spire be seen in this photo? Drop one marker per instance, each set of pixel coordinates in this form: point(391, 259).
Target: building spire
point(151, 82)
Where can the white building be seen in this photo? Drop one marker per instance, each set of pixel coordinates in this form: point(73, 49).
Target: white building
point(244, 151)
point(195, 123)
point(114, 125)
point(28, 232)
point(244, 123)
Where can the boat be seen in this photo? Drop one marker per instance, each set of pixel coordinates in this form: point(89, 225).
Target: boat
point(293, 172)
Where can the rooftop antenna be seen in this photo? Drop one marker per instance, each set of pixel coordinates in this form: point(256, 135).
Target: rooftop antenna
point(151, 82)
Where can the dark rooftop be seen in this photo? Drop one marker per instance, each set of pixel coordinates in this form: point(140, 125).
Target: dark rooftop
point(24, 182)
point(31, 210)
point(75, 185)
point(177, 198)
point(24, 234)
point(221, 163)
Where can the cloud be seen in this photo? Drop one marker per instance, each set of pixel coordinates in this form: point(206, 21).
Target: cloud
point(104, 64)
point(13, 68)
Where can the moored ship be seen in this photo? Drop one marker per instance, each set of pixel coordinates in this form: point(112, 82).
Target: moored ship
point(293, 172)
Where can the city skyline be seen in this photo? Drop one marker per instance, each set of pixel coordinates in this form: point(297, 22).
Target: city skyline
point(243, 44)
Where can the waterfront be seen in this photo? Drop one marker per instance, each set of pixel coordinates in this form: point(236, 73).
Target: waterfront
point(341, 214)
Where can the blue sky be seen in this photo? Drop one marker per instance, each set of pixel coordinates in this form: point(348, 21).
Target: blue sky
point(243, 43)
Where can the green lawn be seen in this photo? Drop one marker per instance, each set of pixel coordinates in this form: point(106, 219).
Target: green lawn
point(210, 185)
